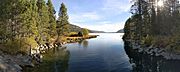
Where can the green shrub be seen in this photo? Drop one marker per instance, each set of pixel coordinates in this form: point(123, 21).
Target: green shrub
point(30, 42)
point(148, 40)
point(162, 41)
point(19, 45)
point(12, 46)
point(85, 32)
point(80, 34)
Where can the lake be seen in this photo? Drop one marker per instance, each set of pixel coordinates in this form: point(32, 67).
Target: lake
point(102, 54)
point(106, 53)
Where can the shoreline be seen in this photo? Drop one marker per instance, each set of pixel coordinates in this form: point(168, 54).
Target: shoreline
point(16, 63)
point(153, 51)
point(77, 39)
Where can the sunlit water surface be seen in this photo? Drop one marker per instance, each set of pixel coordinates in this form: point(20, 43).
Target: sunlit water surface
point(106, 53)
point(102, 54)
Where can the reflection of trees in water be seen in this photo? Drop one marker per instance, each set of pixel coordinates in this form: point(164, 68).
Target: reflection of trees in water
point(61, 59)
point(83, 43)
point(80, 42)
point(146, 63)
point(56, 60)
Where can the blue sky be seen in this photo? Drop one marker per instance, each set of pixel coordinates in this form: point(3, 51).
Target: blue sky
point(102, 15)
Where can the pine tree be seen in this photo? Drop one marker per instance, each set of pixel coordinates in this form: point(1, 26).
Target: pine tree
point(29, 20)
point(43, 22)
point(153, 20)
point(62, 22)
point(52, 19)
point(17, 23)
point(11, 17)
point(3, 19)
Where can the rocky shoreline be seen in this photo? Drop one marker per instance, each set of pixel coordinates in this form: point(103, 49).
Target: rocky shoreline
point(16, 63)
point(155, 51)
point(9, 63)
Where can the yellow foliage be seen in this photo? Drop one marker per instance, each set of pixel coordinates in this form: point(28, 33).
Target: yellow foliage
point(73, 33)
point(30, 42)
point(62, 39)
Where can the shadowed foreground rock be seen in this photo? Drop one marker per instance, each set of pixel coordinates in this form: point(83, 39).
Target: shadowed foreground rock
point(9, 63)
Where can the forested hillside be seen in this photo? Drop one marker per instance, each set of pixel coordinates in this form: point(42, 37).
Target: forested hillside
point(154, 23)
point(26, 24)
point(75, 28)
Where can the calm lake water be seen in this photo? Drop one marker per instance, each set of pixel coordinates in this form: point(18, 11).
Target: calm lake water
point(106, 53)
point(102, 54)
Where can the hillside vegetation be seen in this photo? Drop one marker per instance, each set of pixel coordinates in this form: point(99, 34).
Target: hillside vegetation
point(153, 24)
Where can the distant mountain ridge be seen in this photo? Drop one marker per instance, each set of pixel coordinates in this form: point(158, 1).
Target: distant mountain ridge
point(95, 31)
point(75, 28)
point(120, 31)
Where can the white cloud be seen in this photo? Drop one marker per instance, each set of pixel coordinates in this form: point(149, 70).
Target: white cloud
point(83, 17)
point(91, 15)
point(109, 27)
point(100, 19)
point(104, 22)
point(117, 5)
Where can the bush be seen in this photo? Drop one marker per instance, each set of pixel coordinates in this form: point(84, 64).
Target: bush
point(162, 41)
point(12, 47)
point(19, 45)
point(72, 34)
point(62, 39)
point(148, 40)
point(30, 42)
point(80, 34)
point(85, 32)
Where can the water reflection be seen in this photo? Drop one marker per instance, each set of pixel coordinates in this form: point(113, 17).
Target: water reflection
point(102, 54)
point(56, 60)
point(83, 43)
point(146, 63)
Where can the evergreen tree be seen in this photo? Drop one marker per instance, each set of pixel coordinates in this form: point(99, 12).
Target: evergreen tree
point(29, 20)
point(62, 22)
point(4, 16)
point(43, 22)
point(17, 24)
point(52, 19)
point(150, 19)
point(12, 18)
